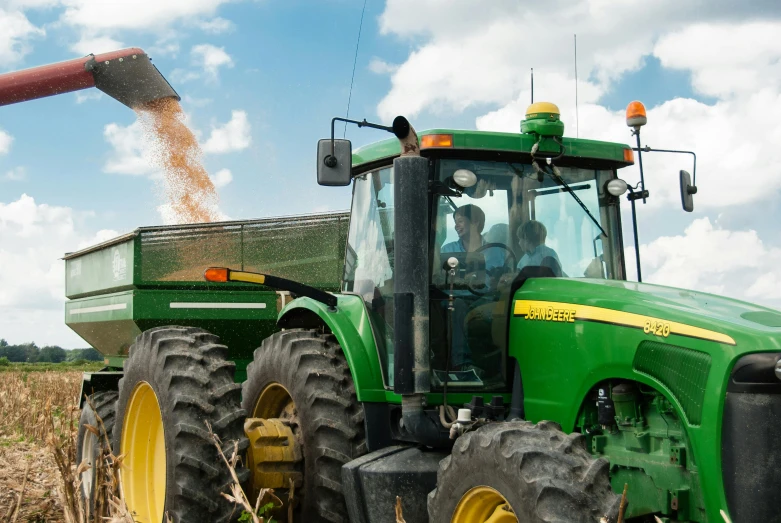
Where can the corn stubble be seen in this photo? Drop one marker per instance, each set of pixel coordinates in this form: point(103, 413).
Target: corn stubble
point(189, 190)
point(39, 476)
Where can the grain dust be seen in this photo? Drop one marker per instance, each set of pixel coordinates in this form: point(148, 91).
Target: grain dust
point(189, 190)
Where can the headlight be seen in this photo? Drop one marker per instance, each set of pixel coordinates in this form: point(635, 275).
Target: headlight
point(616, 187)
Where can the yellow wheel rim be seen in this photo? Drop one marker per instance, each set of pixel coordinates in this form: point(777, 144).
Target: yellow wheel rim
point(274, 455)
point(483, 505)
point(272, 402)
point(142, 474)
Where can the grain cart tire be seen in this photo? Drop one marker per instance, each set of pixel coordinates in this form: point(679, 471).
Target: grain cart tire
point(299, 379)
point(518, 471)
point(178, 379)
point(89, 446)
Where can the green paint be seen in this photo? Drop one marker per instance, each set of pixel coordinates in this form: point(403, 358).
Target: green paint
point(686, 379)
point(543, 124)
point(374, 154)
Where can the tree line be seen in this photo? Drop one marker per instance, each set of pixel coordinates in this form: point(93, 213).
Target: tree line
point(31, 353)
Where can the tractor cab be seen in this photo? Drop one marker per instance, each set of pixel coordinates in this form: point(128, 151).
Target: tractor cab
point(497, 203)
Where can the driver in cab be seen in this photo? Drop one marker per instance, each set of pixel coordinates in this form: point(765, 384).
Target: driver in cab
point(470, 221)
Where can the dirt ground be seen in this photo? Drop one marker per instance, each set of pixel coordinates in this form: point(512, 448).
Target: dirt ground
point(40, 502)
point(28, 400)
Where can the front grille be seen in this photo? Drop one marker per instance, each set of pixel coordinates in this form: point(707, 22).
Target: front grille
point(683, 371)
point(751, 440)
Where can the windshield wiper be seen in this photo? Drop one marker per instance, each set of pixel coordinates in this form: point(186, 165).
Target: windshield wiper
point(553, 174)
point(567, 188)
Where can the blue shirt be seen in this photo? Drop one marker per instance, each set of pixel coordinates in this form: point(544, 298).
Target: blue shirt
point(494, 257)
point(535, 257)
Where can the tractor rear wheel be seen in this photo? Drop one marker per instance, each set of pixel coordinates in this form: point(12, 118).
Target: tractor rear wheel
point(521, 472)
point(90, 447)
point(177, 379)
point(304, 422)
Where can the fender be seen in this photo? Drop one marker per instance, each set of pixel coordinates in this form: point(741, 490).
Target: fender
point(101, 381)
point(349, 323)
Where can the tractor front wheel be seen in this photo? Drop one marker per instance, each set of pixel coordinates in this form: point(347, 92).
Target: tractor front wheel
point(520, 472)
point(304, 422)
point(177, 380)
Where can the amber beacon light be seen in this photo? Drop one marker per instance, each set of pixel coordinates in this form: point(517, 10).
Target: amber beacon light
point(635, 115)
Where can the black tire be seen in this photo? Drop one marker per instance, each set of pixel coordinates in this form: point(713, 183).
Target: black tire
point(188, 371)
point(544, 474)
point(89, 446)
point(313, 369)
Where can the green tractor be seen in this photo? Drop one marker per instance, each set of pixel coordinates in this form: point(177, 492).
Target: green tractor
point(466, 342)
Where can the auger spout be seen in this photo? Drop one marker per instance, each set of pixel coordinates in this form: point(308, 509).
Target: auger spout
point(127, 75)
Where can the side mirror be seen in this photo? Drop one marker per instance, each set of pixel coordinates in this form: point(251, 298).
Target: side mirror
point(334, 168)
point(687, 190)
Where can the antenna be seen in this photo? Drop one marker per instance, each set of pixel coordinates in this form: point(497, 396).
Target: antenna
point(577, 118)
point(355, 62)
point(532, 84)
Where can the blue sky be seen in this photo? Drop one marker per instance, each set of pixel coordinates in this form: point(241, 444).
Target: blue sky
point(260, 81)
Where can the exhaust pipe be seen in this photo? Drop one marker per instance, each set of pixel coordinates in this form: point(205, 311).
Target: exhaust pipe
point(412, 373)
point(127, 75)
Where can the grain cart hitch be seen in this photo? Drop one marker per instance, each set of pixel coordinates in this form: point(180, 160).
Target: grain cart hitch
point(127, 75)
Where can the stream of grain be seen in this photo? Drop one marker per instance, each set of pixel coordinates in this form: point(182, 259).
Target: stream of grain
point(188, 188)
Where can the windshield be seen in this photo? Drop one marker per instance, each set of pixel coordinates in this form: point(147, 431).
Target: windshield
point(532, 219)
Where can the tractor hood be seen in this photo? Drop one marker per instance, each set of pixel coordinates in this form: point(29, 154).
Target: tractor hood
point(753, 328)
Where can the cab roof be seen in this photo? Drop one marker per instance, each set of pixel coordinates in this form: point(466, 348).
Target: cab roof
point(507, 146)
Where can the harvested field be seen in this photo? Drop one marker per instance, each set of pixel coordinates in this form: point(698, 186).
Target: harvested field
point(27, 466)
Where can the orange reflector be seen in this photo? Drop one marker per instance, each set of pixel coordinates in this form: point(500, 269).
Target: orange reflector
point(436, 140)
point(629, 156)
point(217, 274)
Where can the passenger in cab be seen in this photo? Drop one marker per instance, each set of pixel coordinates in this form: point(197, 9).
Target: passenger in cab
point(531, 239)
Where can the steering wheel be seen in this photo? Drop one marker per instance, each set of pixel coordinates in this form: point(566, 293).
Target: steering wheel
point(471, 279)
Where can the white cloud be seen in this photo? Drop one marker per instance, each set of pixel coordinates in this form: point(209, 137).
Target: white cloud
point(132, 150)
point(34, 238)
point(16, 31)
point(711, 259)
point(215, 25)
point(5, 142)
point(100, 15)
point(17, 174)
point(211, 58)
point(95, 44)
point(164, 47)
point(726, 59)
point(378, 66)
point(88, 96)
point(222, 178)
point(230, 137)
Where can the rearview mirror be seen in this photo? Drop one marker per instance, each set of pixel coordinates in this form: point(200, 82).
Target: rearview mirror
point(334, 167)
point(687, 190)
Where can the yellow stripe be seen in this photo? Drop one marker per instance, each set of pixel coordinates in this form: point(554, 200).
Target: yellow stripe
point(247, 277)
point(569, 312)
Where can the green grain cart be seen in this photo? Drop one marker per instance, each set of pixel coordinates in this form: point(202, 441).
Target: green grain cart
point(465, 339)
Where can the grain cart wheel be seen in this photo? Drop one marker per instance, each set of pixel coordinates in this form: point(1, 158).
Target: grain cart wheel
point(304, 421)
point(89, 446)
point(177, 379)
point(520, 472)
